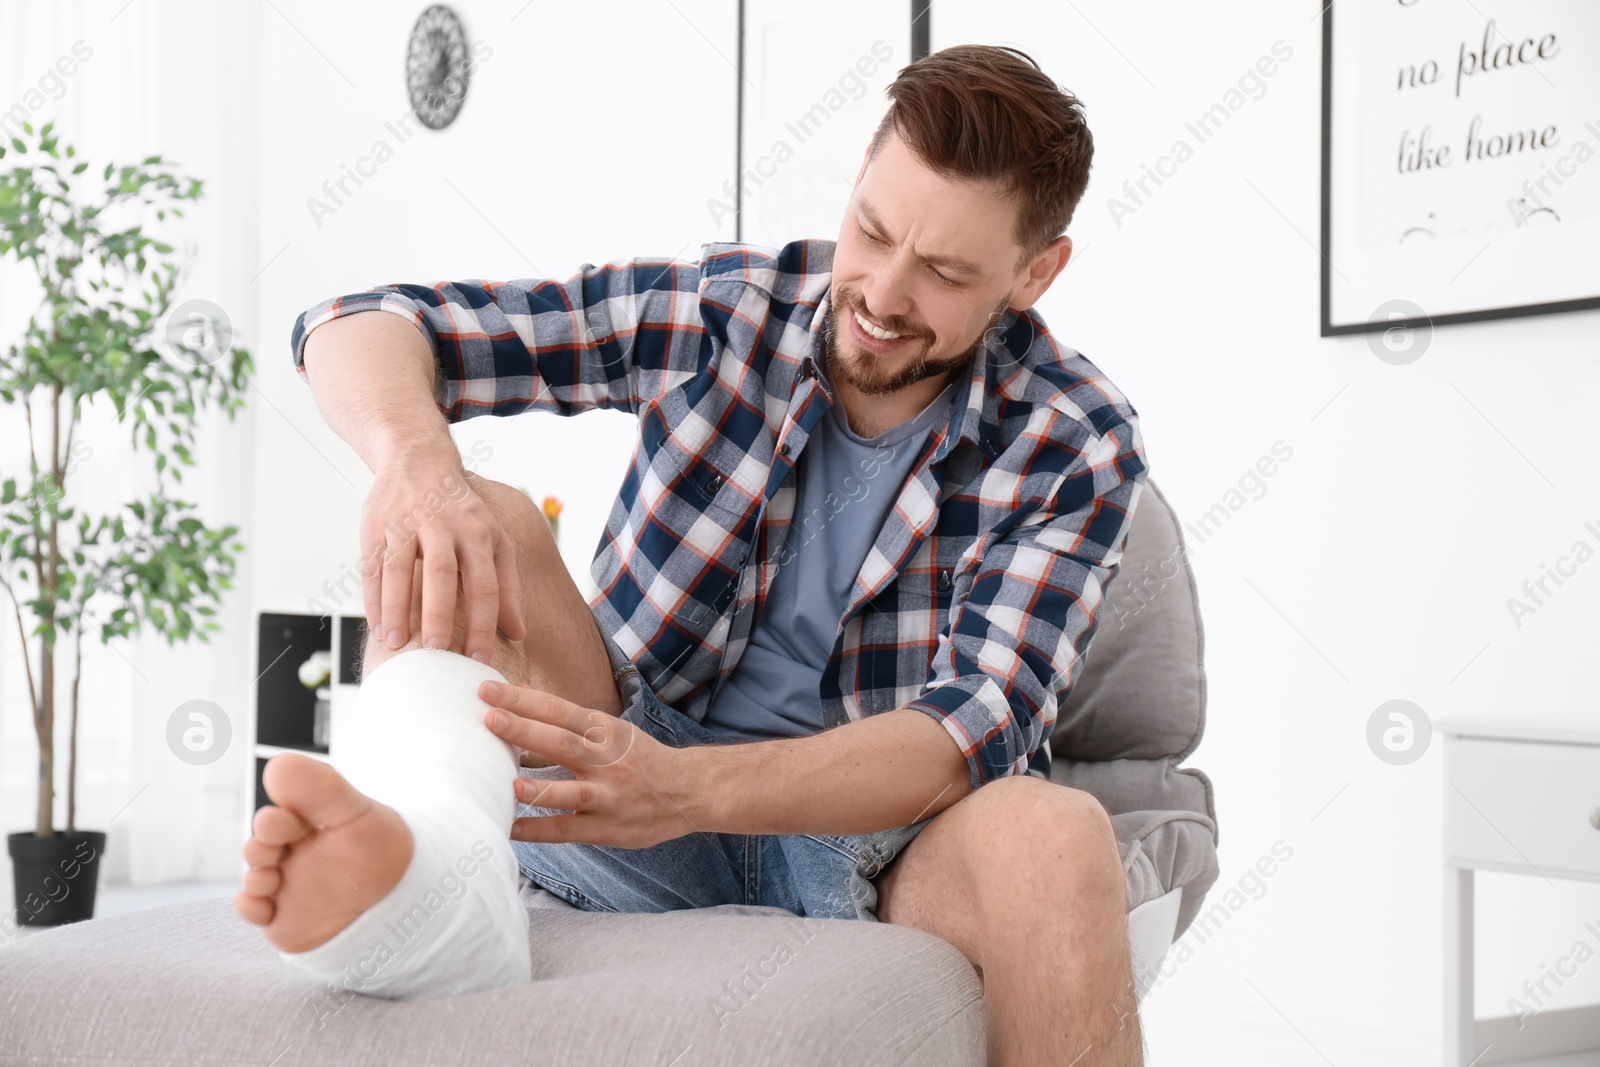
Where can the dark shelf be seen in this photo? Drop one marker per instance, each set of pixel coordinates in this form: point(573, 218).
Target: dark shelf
point(352, 639)
point(285, 709)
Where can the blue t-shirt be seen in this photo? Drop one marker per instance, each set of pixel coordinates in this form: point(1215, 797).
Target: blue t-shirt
point(846, 486)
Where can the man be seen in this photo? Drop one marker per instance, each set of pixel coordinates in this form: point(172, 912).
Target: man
point(851, 576)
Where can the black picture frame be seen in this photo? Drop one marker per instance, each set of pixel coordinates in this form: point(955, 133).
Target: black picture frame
point(1332, 329)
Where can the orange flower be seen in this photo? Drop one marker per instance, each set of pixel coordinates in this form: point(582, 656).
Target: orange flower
point(552, 507)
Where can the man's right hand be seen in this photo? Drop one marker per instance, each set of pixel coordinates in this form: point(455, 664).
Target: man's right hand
point(422, 507)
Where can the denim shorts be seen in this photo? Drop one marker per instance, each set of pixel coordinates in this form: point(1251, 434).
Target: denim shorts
point(807, 874)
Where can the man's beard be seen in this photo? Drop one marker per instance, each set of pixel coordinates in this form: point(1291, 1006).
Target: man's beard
point(860, 368)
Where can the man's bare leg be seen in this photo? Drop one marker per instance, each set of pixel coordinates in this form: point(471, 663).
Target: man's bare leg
point(323, 852)
point(1047, 926)
point(562, 652)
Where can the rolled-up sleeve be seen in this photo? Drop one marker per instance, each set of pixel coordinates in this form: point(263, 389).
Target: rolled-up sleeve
point(1014, 647)
point(614, 336)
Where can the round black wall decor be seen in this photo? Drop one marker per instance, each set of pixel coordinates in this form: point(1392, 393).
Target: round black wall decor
point(437, 67)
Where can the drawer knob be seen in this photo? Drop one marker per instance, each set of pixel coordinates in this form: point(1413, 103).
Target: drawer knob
point(1594, 818)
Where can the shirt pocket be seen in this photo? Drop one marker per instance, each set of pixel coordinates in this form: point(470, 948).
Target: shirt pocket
point(931, 578)
point(696, 517)
point(708, 461)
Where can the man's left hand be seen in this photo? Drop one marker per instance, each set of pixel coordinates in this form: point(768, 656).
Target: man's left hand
point(629, 790)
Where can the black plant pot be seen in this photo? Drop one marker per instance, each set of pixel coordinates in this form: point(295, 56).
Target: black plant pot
point(55, 876)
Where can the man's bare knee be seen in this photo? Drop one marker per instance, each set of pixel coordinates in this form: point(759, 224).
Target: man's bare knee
point(519, 517)
point(1056, 834)
point(562, 652)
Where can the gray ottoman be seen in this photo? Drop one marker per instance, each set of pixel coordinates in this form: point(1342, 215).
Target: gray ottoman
point(193, 983)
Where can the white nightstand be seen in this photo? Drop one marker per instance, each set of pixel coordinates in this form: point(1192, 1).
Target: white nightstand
point(1521, 796)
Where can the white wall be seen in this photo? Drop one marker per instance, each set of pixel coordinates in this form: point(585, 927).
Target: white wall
point(577, 144)
point(1390, 540)
point(814, 93)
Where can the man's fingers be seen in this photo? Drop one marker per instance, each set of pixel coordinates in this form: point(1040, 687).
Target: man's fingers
point(562, 794)
point(557, 729)
point(557, 828)
point(482, 601)
point(526, 701)
point(438, 596)
point(395, 617)
point(510, 585)
point(553, 742)
point(372, 586)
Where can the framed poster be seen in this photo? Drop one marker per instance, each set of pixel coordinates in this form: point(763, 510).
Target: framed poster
point(1460, 161)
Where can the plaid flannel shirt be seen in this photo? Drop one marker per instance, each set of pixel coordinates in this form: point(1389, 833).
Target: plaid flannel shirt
point(978, 599)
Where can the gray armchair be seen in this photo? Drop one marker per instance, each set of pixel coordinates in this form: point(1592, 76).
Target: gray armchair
point(1137, 712)
point(191, 982)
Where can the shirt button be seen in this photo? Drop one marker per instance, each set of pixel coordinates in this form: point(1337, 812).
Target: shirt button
point(783, 449)
point(944, 579)
point(714, 484)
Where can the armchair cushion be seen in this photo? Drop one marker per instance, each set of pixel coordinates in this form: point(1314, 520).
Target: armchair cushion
point(1141, 693)
point(1137, 710)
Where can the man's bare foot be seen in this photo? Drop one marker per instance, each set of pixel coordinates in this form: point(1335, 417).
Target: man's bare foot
point(324, 854)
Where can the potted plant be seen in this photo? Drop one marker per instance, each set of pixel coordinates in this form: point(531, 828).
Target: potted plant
point(98, 567)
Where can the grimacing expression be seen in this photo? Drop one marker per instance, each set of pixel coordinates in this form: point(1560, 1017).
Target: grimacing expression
point(921, 256)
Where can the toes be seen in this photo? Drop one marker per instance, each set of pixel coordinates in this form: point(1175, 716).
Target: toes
point(313, 790)
point(257, 853)
point(276, 828)
point(262, 881)
point(253, 909)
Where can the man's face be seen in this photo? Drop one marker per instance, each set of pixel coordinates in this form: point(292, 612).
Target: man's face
point(925, 258)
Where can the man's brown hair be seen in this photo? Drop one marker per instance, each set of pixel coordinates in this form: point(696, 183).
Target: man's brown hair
point(988, 113)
